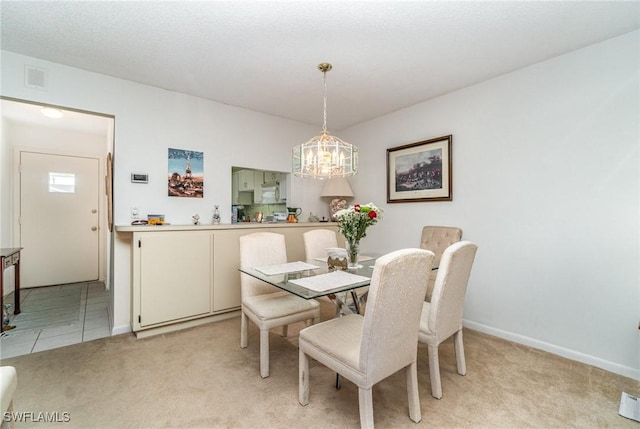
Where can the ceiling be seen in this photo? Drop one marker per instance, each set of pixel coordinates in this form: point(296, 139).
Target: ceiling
point(263, 55)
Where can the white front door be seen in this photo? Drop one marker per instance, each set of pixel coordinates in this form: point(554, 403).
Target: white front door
point(59, 218)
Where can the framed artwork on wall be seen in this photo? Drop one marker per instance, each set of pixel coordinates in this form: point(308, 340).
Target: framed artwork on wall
point(186, 173)
point(420, 172)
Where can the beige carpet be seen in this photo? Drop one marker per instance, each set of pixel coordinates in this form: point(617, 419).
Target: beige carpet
point(201, 378)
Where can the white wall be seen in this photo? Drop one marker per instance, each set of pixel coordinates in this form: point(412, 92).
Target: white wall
point(545, 180)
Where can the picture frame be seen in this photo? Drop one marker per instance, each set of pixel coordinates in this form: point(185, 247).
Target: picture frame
point(420, 172)
point(185, 176)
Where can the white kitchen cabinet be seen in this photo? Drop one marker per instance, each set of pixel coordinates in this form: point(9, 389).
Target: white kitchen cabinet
point(172, 276)
point(226, 277)
point(238, 197)
point(246, 180)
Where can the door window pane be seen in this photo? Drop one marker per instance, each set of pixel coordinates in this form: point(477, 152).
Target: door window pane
point(62, 182)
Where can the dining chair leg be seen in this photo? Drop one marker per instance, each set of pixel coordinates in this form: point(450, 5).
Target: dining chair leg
point(365, 401)
point(264, 353)
point(285, 331)
point(244, 321)
point(434, 372)
point(412, 392)
point(303, 378)
point(459, 349)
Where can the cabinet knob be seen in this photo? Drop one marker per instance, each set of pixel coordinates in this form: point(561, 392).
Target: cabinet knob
point(94, 228)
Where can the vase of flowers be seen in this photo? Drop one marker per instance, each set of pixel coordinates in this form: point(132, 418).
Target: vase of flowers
point(353, 223)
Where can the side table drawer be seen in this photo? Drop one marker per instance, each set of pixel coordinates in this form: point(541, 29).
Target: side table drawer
point(16, 258)
point(7, 262)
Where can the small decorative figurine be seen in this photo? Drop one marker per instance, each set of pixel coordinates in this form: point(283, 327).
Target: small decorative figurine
point(196, 219)
point(216, 215)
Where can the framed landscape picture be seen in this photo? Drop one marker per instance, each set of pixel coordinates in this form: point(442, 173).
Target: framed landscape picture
point(419, 172)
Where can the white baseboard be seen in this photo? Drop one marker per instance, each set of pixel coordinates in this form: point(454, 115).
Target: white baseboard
point(122, 329)
point(625, 371)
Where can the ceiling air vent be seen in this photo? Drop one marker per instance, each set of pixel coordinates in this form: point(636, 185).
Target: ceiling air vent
point(35, 77)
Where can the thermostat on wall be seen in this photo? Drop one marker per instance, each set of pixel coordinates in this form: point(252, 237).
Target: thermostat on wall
point(139, 178)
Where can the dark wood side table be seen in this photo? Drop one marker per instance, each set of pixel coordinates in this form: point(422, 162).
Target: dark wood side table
point(10, 256)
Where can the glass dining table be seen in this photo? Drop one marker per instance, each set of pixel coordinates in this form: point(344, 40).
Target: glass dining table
point(313, 278)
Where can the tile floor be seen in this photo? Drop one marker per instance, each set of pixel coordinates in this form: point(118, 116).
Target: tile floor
point(92, 323)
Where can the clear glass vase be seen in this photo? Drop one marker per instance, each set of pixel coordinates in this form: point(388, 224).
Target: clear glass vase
point(353, 248)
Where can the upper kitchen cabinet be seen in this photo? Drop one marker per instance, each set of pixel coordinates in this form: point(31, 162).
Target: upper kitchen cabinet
point(238, 197)
point(246, 180)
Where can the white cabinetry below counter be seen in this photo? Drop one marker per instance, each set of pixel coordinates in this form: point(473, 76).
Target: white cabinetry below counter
point(182, 276)
point(173, 280)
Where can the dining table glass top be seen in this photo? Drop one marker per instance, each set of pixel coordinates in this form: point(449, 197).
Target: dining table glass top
point(313, 278)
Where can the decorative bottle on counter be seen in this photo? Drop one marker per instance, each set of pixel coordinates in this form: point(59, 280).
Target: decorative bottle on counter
point(216, 215)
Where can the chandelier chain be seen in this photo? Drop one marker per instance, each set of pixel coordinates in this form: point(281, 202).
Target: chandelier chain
point(324, 125)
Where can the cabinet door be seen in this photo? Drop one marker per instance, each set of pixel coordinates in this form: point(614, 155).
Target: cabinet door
point(245, 180)
point(226, 277)
point(175, 275)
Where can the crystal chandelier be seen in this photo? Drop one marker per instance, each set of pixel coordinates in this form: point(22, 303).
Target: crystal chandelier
point(325, 156)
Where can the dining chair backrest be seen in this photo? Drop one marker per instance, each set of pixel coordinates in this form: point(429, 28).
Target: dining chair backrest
point(447, 301)
point(317, 241)
point(260, 249)
point(438, 238)
point(390, 328)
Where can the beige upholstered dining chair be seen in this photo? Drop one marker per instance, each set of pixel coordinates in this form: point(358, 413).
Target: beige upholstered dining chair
point(437, 239)
point(367, 349)
point(442, 317)
point(267, 306)
point(317, 241)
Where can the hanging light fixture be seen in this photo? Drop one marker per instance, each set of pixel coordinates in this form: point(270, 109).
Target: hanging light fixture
point(325, 156)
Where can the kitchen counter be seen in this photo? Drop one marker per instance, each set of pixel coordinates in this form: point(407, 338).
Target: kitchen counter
point(239, 225)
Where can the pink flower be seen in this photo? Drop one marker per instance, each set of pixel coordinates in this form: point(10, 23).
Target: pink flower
point(356, 208)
